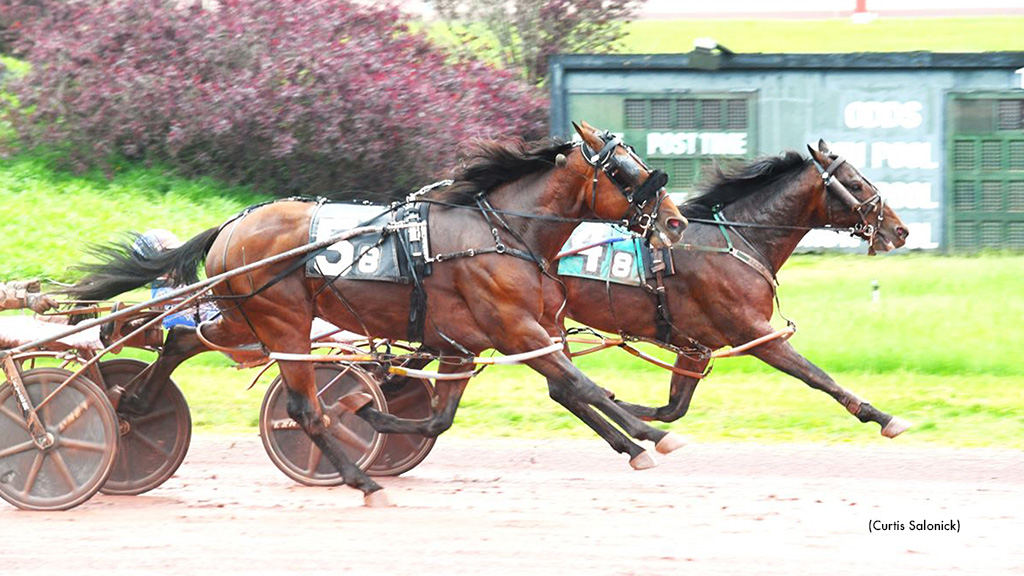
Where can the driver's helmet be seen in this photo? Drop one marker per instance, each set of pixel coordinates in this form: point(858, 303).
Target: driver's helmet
point(155, 241)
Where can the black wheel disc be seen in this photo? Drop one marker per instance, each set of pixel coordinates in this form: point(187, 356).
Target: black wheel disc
point(408, 398)
point(153, 445)
point(291, 450)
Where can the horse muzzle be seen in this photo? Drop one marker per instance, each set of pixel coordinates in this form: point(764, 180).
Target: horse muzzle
point(888, 239)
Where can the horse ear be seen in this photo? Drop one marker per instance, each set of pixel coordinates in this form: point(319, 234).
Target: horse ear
point(823, 147)
point(579, 130)
point(588, 134)
point(820, 157)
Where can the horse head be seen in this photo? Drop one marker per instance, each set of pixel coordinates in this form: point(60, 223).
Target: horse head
point(853, 201)
point(630, 188)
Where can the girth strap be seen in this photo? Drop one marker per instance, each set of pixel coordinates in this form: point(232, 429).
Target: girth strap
point(662, 315)
point(419, 268)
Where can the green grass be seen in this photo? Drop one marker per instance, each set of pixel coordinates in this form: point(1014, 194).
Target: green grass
point(964, 411)
point(13, 66)
point(48, 217)
point(979, 34)
point(960, 411)
point(940, 347)
point(839, 35)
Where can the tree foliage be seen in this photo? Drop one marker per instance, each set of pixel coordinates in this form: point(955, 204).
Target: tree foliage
point(292, 96)
point(16, 16)
point(529, 32)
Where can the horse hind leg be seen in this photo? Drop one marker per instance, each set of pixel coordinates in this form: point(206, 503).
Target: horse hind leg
point(577, 393)
point(305, 408)
point(449, 393)
point(639, 458)
point(665, 442)
point(179, 345)
point(681, 392)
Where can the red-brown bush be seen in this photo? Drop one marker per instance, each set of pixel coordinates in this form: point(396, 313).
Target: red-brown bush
point(292, 96)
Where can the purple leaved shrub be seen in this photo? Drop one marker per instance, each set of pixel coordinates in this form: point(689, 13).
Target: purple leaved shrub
point(16, 16)
point(290, 96)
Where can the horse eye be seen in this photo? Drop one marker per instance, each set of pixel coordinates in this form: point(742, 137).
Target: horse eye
point(856, 187)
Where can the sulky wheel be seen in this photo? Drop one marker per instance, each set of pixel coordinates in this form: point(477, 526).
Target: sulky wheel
point(152, 445)
point(294, 453)
point(83, 428)
point(408, 398)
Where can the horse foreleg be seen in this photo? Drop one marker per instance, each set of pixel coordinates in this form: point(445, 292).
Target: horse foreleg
point(681, 392)
point(639, 459)
point(782, 356)
point(448, 395)
point(305, 408)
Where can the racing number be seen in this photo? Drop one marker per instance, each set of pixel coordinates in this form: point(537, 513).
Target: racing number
point(337, 260)
point(622, 262)
point(593, 256)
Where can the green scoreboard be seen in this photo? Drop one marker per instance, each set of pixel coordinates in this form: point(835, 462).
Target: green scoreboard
point(942, 135)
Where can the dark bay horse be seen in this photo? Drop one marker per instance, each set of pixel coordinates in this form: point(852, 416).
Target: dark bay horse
point(715, 299)
point(511, 208)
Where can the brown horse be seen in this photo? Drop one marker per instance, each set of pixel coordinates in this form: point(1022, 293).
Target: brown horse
point(717, 298)
point(510, 209)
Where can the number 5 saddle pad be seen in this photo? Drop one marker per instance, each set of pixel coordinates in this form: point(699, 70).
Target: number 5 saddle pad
point(368, 256)
point(609, 253)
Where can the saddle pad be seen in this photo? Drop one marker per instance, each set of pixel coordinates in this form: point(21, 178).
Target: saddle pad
point(359, 257)
point(611, 253)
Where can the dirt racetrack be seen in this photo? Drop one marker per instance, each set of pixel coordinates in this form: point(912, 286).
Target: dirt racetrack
point(551, 507)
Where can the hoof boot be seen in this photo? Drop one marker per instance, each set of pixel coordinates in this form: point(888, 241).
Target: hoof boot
point(670, 443)
point(643, 461)
point(377, 499)
point(895, 427)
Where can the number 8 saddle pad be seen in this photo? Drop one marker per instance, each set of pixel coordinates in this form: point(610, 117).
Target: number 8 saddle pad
point(609, 253)
point(369, 256)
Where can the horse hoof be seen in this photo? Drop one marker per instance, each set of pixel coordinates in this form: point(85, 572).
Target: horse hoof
point(643, 461)
point(377, 499)
point(895, 427)
point(670, 443)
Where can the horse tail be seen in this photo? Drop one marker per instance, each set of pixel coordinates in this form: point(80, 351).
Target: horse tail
point(121, 267)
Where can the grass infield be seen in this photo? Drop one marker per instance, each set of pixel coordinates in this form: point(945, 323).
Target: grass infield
point(940, 347)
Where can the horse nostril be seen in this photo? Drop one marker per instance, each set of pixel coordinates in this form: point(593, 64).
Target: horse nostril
point(902, 232)
point(677, 225)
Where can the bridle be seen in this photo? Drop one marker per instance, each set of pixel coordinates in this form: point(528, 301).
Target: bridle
point(863, 208)
point(639, 197)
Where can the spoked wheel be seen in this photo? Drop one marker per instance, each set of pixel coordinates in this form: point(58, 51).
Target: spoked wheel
point(41, 358)
point(408, 398)
point(83, 427)
point(152, 445)
point(294, 453)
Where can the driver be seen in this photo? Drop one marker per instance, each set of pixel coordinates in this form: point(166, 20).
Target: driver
point(149, 244)
point(25, 294)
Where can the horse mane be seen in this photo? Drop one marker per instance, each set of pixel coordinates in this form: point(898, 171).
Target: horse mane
point(726, 186)
point(487, 164)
